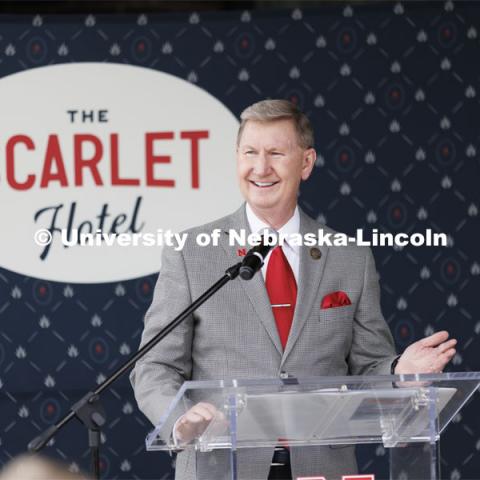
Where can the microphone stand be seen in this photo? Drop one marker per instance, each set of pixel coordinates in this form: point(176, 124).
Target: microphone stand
point(89, 410)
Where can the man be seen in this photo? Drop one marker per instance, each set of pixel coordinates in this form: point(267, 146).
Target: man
point(245, 332)
point(36, 467)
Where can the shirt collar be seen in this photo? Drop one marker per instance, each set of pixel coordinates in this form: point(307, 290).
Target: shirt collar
point(292, 226)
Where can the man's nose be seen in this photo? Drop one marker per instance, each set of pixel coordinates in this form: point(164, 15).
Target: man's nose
point(262, 165)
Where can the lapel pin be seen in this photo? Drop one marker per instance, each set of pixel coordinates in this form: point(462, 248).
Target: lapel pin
point(315, 253)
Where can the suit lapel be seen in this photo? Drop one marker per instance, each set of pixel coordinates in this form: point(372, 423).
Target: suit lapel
point(254, 288)
point(310, 275)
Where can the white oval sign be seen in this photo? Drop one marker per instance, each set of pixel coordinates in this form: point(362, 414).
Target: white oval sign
point(115, 155)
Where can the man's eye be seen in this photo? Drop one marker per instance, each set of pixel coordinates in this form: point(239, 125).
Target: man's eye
point(249, 152)
point(277, 153)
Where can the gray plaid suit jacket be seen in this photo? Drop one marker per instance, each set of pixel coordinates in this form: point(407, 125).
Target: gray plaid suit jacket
point(233, 335)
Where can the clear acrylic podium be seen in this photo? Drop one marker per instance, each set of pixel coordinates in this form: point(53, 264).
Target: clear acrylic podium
point(407, 414)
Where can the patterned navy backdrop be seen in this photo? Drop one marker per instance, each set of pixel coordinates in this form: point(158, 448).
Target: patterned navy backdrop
point(392, 92)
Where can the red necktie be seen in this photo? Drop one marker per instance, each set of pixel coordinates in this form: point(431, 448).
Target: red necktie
point(282, 291)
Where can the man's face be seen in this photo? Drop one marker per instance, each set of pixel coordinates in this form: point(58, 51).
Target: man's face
point(271, 165)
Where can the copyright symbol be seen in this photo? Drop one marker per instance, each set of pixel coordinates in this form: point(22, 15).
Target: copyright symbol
point(42, 237)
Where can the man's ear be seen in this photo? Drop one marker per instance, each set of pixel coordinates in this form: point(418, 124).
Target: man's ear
point(309, 158)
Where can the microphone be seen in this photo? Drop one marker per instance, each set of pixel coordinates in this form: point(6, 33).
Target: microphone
point(254, 259)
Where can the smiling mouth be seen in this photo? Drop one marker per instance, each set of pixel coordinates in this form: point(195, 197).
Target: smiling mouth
point(263, 184)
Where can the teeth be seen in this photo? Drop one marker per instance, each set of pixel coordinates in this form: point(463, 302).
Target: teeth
point(264, 184)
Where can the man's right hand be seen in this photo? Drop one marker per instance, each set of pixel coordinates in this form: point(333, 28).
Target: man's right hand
point(194, 422)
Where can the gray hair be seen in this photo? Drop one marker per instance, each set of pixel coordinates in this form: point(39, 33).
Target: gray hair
point(271, 110)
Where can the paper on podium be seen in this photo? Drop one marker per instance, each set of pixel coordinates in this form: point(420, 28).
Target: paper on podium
point(333, 416)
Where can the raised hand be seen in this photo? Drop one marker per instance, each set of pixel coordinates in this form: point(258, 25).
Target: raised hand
point(428, 355)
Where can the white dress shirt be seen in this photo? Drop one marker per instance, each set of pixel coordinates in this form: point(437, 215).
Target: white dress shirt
point(292, 252)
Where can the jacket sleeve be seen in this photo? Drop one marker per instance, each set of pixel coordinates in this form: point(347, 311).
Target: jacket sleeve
point(372, 351)
point(158, 376)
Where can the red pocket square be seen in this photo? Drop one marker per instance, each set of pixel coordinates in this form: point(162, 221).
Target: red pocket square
point(335, 299)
